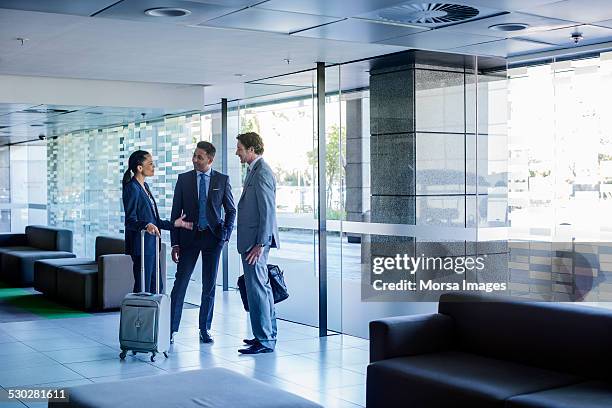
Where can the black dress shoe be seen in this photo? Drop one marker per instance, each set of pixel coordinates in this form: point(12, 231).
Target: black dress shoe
point(205, 336)
point(256, 349)
point(250, 342)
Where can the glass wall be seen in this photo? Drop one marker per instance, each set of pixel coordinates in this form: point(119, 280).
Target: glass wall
point(561, 173)
point(420, 148)
point(413, 157)
point(561, 150)
point(23, 186)
point(85, 170)
point(282, 111)
point(5, 190)
point(416, 169)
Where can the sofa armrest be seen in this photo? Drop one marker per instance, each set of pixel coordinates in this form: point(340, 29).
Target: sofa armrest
point(13, 240)
point(409, 335)
point(115, 279)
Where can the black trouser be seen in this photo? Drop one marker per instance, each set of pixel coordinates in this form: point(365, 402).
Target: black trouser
point(210, 247)
point(149, 274)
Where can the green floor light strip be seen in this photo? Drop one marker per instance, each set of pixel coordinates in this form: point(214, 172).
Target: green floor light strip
point(34, 303)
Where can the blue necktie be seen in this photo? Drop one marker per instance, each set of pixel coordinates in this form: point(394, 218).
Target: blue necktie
point(202, 222)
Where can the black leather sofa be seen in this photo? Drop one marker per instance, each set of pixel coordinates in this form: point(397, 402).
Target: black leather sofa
point(18, 252)
point(477, 352)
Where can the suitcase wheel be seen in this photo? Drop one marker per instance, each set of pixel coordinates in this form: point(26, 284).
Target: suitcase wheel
point(134, 352)
point(122, 354)
point(153, 357)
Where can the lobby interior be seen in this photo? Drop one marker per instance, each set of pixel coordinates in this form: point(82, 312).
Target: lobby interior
point(391, 127)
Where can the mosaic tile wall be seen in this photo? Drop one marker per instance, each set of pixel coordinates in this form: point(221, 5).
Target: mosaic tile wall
point(561, 271)
point(85, 170)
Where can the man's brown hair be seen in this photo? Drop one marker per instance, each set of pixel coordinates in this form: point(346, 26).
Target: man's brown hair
point(208, 147)
point(251, 139)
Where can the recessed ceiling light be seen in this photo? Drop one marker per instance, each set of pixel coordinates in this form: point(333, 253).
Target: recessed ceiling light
point(167, 12)
point(509, 27)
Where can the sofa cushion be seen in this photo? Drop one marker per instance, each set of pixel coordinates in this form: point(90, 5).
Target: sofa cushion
point(211, 388)
point(109, 245)
point(592, 394)
point(78, 285)
point(4, 250)
point(48, 238)
point(454, 379)
point(18, 266)
point(547, 335)
point(11, 239)
point(45, 273)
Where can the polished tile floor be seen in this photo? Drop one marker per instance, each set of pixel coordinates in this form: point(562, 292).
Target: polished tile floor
point(73, 351)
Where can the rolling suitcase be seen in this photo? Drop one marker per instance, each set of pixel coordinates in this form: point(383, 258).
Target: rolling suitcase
point(145, 317)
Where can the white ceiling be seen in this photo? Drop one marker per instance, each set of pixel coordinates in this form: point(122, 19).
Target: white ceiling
point(115, 40)
point(222, 38)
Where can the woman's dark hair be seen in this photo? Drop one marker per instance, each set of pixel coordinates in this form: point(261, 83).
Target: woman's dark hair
point(136, 159)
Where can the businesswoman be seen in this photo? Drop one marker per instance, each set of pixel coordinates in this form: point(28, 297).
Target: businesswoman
point(141, 213)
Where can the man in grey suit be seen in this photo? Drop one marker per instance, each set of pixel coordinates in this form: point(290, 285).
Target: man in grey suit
point(257, 233)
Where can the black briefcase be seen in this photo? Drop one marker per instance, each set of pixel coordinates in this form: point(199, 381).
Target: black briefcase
point(277, 282)
point(242, 290)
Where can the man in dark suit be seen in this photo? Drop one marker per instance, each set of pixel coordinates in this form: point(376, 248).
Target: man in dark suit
point(199, 195)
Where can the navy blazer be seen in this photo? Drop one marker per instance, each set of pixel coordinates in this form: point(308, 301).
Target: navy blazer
point(139, 212)
point(186, 201)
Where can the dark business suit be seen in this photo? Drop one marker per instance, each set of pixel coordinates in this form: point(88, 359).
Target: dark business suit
point(208, 241)
point(140, 210)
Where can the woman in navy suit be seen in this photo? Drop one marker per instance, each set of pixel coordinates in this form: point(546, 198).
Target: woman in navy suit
point(141, 214)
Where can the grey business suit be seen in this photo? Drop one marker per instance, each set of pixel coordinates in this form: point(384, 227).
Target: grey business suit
point(257, 226)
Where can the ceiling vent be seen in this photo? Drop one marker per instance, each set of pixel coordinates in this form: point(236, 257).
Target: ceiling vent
point(427, 13)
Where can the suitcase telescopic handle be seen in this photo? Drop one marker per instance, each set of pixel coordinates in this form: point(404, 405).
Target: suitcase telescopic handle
point(142, 262)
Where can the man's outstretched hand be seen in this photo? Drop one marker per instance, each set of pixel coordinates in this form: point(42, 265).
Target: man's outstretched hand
point(181, 223)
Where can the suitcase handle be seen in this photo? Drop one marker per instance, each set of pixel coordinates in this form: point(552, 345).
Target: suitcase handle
point(142, 264)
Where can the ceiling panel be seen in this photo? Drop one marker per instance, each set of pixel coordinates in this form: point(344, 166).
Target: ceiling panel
point(135, 10)
point(507, 5)
point(12, 107)
point(359, 31)
point(583, 11)
point(607, 23)
point(503, 48)
point(411, 12)
point(270, 20)
point(536, 23)
point(591, 35)
point(150, 52)
point(79, 7)
point(230, 3)
point(441, 39)
point(334, 8)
